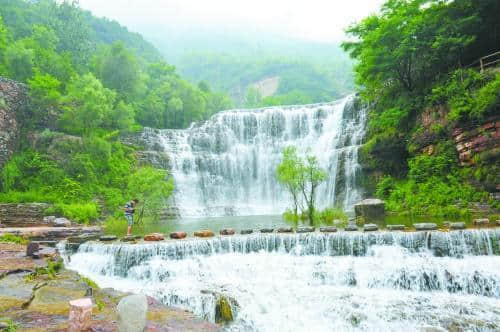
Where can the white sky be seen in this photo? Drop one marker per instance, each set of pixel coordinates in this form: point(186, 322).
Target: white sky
point(316, 20)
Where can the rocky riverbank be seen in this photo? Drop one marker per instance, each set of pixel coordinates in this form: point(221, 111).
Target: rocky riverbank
point(35, 294)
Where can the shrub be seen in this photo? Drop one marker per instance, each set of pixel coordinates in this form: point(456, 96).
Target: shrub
point(11, 238)
point(79, 212)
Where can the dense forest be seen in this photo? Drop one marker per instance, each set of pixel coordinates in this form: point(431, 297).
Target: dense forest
point(89, 81)
point(417, 59)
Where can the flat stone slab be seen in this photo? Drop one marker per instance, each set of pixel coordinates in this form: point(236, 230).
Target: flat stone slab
point(106, 238)
point(246, 231)
point(425, 226)
point(396, 227)
point(481, 221)
point(351, 228)
point(204, 233)
point(53, 233)
point(330, 229)
point(457, 225)
point(178, 235)
point(154, 237)
point(305, 229)
point(370, 227)
point(267, 230)
point(227, 231)
point(285, 230)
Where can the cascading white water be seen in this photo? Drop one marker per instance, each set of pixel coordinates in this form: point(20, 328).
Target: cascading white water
point(226, 165)
point(316, 282)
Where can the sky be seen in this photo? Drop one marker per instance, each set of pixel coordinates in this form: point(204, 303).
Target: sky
point(313, 20)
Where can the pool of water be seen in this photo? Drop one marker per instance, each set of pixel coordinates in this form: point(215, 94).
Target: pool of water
point(190, 225)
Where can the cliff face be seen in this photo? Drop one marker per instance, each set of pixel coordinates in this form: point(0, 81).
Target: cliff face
point(13, 97)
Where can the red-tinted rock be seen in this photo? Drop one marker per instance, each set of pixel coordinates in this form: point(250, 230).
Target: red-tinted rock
point(204, 233)
point(154, 237)
point(227, 231)
point(178, 235)
point(80, 314)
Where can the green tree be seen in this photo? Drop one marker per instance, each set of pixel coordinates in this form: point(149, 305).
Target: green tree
point(119, 71)
point(4, 34)
point(253, 98)
point(152, 188)
point(289, 174)
point(45, 99)
point(301, 177)
point(87, 104)
point(19, 62)
point(312, 177)
point(121, 117)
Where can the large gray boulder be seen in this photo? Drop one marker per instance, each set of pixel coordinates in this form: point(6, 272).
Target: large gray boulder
point(370, 209)
point(132, 313)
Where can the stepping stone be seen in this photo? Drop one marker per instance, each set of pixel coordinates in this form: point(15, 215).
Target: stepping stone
point(128, 238)
point(396, 227)
point(154, 237)
point(32, 248)
point(370, 228)
point(227, 231)
point(46, 252)
point(481, 221)
point(305, 229)
point(246, 231)
point(131, 312)
point(80, 314)
point(425, 226)
point(351, 228)
point(204, 233)
point(106, 238)
point(330, 229)
point(267, 230)
point(178, 235)
point(285, 230)
point(457, 225)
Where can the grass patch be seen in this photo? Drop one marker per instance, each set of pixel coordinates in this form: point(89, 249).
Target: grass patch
point(11, 238)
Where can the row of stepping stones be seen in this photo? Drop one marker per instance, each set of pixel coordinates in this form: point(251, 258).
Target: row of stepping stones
point(349, 228)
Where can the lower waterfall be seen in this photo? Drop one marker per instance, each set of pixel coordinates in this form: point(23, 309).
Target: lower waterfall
point(384, 281)
point(226, 165)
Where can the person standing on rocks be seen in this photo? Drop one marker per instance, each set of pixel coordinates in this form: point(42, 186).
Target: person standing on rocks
point(129, 214)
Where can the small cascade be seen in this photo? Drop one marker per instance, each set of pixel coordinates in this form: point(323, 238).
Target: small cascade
point(381, 281)
point(226, 165)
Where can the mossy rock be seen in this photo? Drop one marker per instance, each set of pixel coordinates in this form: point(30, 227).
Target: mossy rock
point(223, 311)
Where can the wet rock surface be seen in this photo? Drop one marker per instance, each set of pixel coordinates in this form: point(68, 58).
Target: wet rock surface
point(107, 238)
point(370, 227)
point(330, 229)
point(154, 237)
point(227, 231)
point(396, 227)
point(425, 226)
point(204, 233)
point(351, 228)
point(285, 230)
point(246, 231)
point(178, 235)
point(457, 225)
point(267, 230)
point(42, 303)
point(370, 209)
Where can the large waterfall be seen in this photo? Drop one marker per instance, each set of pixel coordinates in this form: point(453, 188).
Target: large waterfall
point(384, 281)
point(226, 165)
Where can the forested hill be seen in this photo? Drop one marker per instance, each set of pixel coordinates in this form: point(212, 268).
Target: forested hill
point(89, 82)
point(433, 141)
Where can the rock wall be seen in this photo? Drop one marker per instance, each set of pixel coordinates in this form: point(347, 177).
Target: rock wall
point(478, 143)
point(13, 98)
point(22, 215)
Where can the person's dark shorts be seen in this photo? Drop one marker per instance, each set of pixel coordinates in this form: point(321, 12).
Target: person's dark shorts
point(130, 219)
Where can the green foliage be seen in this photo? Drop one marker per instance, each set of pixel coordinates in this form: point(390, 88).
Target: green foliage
point(11, 326)
point(81, 213)
point(328, 215)
point(11, 238)
point(51, 270)
point(152, 188)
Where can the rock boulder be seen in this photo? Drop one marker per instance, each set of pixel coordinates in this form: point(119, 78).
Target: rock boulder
point(370, 209)
point(178, 235)
point(131, 312)
point(227, 231)
point(154, 237)
point(425, 226)
point(204, 233)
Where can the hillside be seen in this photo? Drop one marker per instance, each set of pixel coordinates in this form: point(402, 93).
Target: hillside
point(432, 136)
